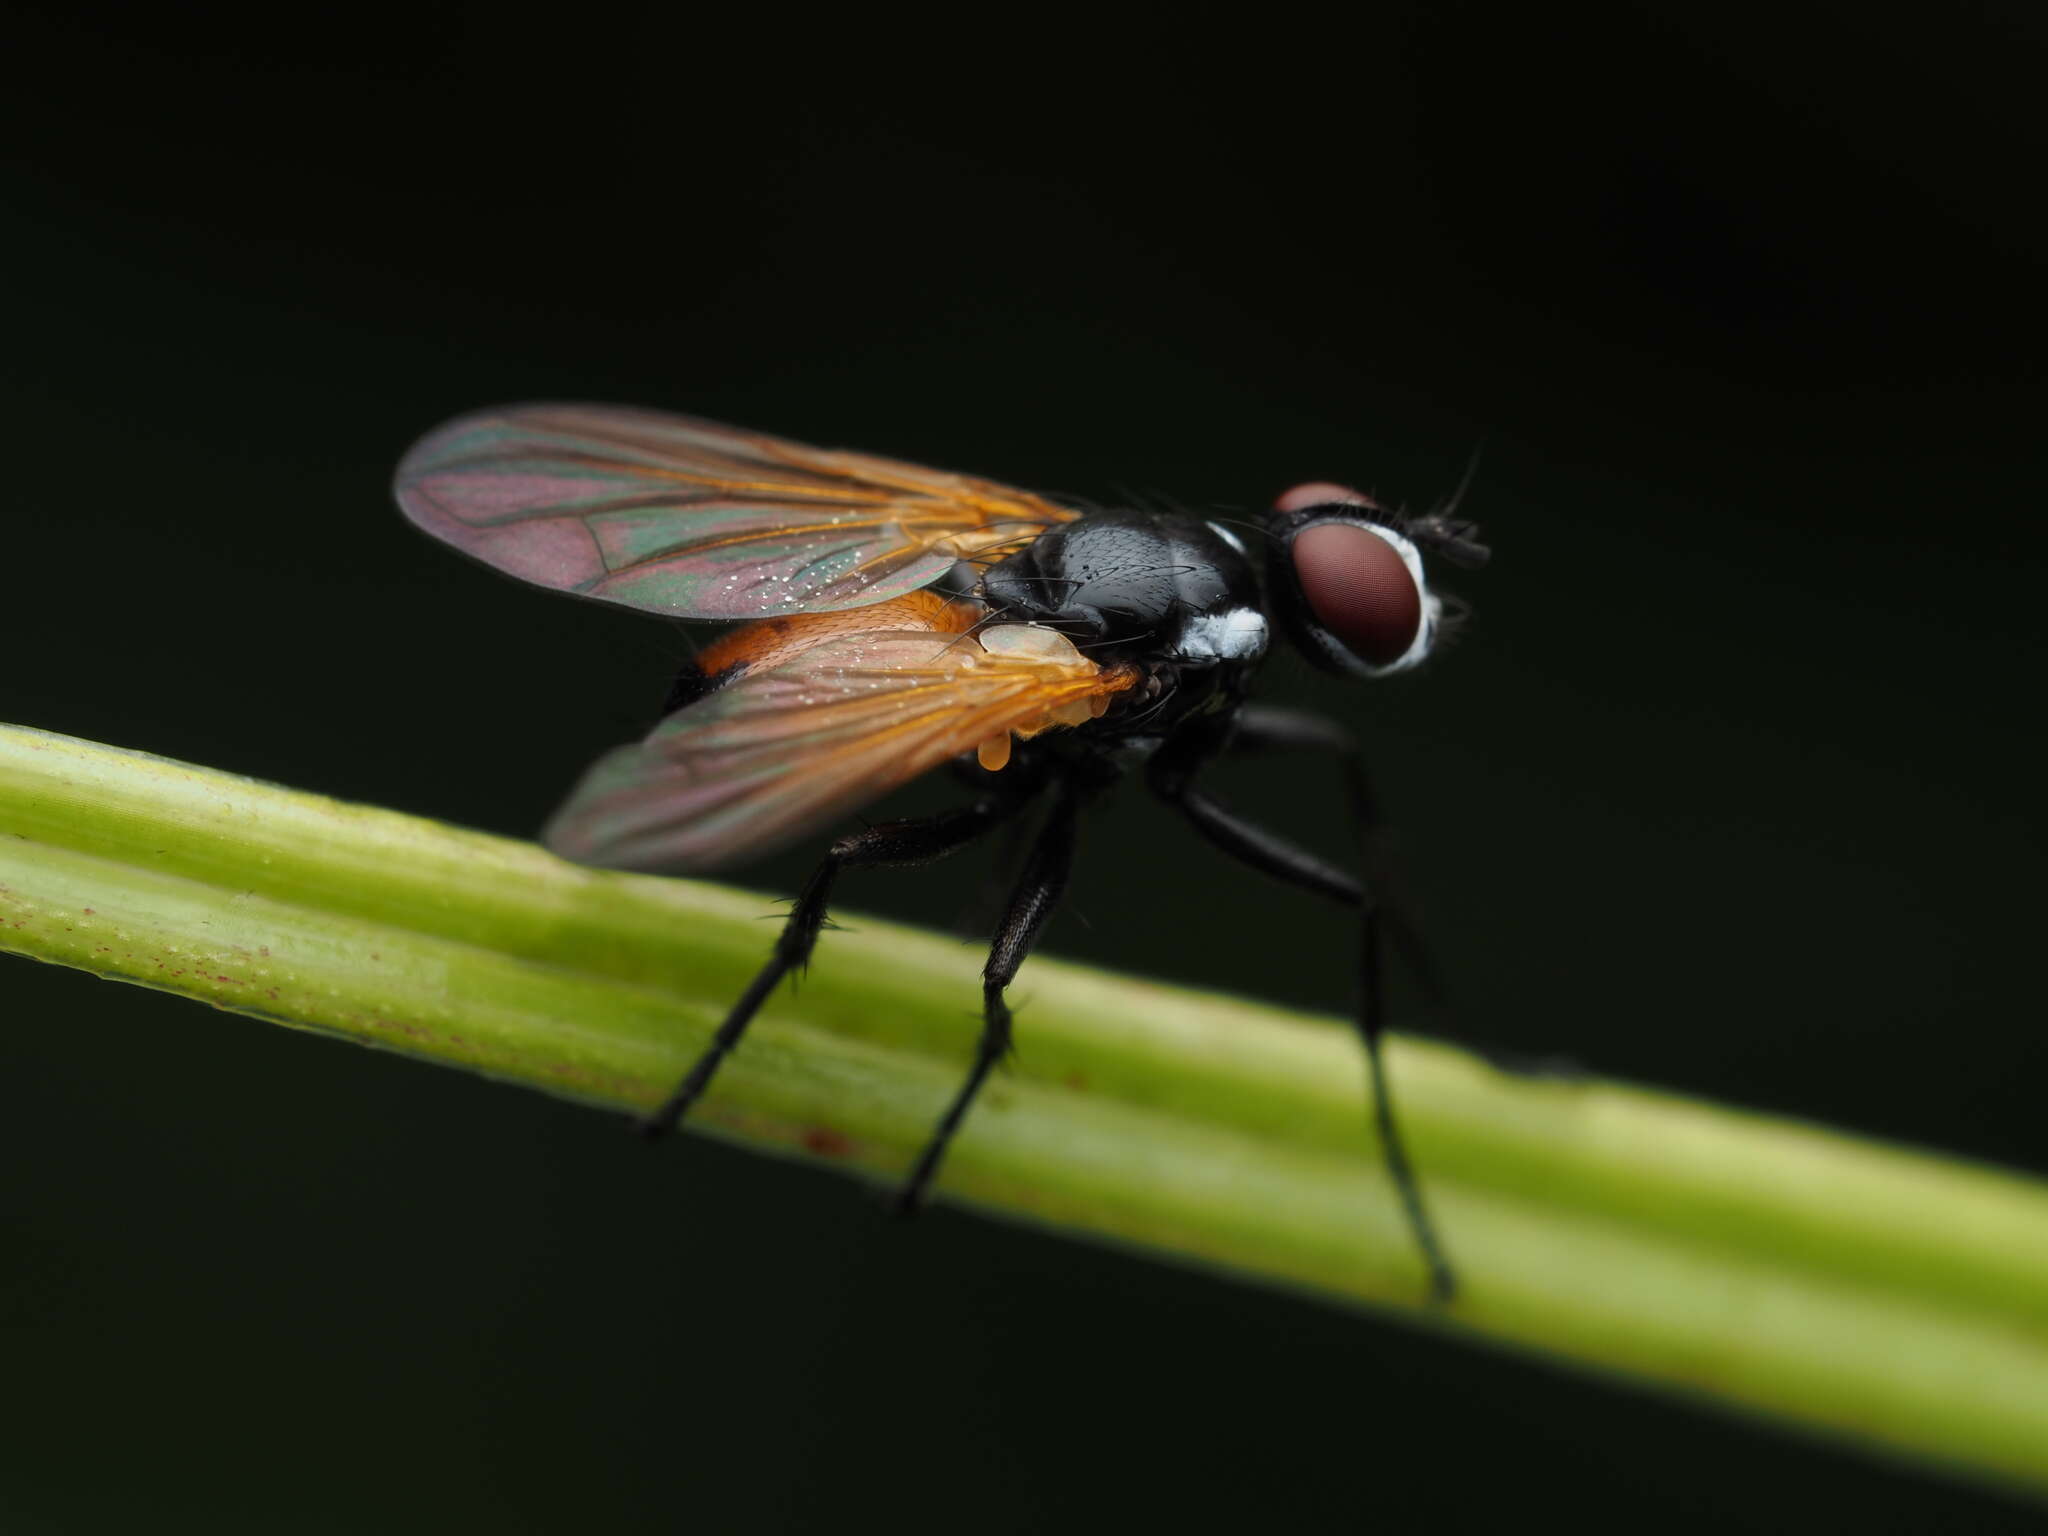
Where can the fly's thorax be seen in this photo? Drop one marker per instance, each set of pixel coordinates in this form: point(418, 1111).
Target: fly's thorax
point(1138, 584)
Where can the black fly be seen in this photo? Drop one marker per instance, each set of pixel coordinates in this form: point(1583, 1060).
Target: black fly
point(1075, 648)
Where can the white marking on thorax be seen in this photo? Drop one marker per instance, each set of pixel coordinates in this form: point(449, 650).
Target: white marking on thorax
point(1235, 634)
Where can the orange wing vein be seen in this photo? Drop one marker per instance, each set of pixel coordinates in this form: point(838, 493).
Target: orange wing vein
point(787, 748)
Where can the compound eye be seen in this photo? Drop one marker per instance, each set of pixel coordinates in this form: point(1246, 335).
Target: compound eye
point(1360, 589)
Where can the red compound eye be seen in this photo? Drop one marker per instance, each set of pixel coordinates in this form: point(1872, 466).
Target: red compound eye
point(1358, 587)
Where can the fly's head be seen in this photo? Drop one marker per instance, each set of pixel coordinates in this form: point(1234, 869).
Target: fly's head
point(1347, 581)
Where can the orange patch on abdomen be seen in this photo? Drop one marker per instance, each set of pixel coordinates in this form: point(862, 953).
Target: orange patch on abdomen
point(768, 641)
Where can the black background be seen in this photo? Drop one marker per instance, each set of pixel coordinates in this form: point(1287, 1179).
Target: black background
point(1732, 788)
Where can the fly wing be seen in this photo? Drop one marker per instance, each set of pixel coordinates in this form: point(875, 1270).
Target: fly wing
point(690, 519)
point(786, 750)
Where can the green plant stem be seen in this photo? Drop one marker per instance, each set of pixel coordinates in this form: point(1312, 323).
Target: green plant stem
point(1895, 1298)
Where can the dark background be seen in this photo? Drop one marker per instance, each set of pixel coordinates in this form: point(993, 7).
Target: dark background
point(1733, 787)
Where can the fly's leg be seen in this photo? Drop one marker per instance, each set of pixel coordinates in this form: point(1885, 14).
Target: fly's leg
point(887, 844)
point(979, 915)
point(1262, 728)
point(1265, 729)
point(1037, 893)
point(1171, 774)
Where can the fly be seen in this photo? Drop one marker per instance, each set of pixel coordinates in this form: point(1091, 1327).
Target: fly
point(896, 619)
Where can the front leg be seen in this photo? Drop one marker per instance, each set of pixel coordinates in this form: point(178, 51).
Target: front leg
point(1263, 728)
point(1171, 774)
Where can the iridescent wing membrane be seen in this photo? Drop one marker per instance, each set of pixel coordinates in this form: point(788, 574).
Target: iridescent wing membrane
point(851, 682)
point(691, 519)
